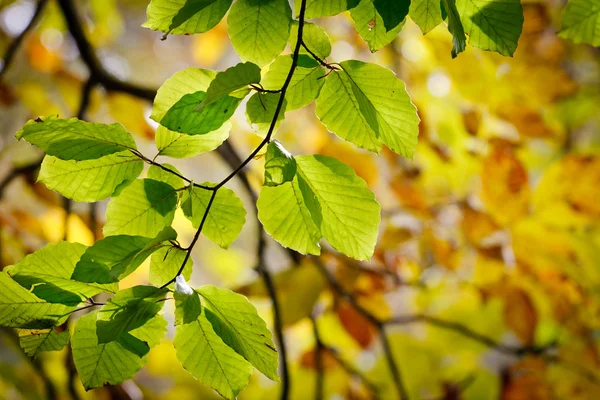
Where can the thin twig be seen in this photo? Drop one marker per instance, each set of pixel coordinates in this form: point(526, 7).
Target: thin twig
point(11, 51)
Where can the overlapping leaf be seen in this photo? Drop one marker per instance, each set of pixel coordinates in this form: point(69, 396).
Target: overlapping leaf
point(370, 25)
point(73, 139)
point(185, 17)
point(225, 218)
point(144, 208)
point(325, 8)
point(176, 145)
point(165, 263)
point(34, 341)
point(368, 105)
point(89, 180)
point(49, 274)
point(427, 14)
point(259, 29)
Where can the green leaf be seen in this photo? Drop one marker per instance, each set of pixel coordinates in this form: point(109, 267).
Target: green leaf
point(186, 117)
point(19, 308)
point(325, 8)
point(144, 208)
point(260, 111)
point(237, 322)
point(283, 212)
point(204, 355)
point(314, 37)
point(130, 318)
point(110, 345)
point(185, 17)
point(455, 27)
point(225, 219)
point(326, 199)
point(73, 139)
point(259, 29)
point(280, 166)
point(190, 80)
point(305, 84)
point(48, 273)
point(233, 81)
point(581, 22)
point(341, 205)
point(165, 263)
point(392, 12)
point(115, 257)
point(187, 303)
point(89, 180)
point(493, 25)
point(427, 14)
point(34, 342)
point(368, 105)
point(158, 174)
point(370, 26)
point(175, 145)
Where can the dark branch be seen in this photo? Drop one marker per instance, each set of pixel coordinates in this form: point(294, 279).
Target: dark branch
point(11, 51)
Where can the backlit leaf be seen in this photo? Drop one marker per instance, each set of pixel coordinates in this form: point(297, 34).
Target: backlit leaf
point(581, 22)
point(259, 29)
point(34, 342)
point(260, 110)
point(73, 139)
point(426, 13)
point(369, 23)
point(165, 263)
point(185, 16)
point(325, 8)
point(280, 166)
point(144, 208)
point(177, 145)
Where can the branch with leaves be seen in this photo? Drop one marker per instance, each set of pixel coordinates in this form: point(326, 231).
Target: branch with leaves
point(305, 199)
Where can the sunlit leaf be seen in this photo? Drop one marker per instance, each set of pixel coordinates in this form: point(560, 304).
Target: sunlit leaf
point(237, 322)
point(165, 263)
point(72, 139)
point(176, 145)
point(259, 29)
point(325, 8)
point(455, 26)
point(280, 166)
point(34, 342)
point(225, 218)
point(233, 81)
point(426, 13)
point(314, 37)
point(369, 23)
point(184, 17)
point(89, 180)
point(144, 208)
point(581, 22)
point(260, 110)
point(49, 273)
point(305, 84)
point(204, 355)
point(368, 105)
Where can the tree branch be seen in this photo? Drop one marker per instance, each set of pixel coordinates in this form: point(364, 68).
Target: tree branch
point(11, 51)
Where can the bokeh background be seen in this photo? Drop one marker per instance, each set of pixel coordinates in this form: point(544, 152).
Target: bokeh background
point(488, 256)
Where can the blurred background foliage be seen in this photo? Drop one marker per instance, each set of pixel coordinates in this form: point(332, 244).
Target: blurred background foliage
point(488, 257)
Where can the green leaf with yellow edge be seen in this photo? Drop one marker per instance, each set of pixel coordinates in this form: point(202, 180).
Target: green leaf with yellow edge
point(33, 342)
point(260, 110)
point(493, 25)
point(237, 322)
point(305, 84)
point(225, 219)
point(369, 23)
point(144, 208)
point(325, 8)
point(581, 22)
point(49, 274)
point(89, 180)
point(427, 14)
point(19, 308)
point(73, 139)
point(368, 105)
point(280, 166)
point(204, 355)
point(177, 145)
point(165, 263)
point(185, 17)
point(259, 29)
